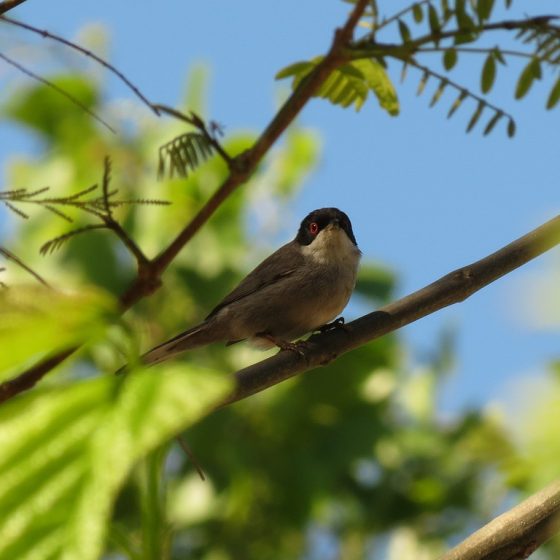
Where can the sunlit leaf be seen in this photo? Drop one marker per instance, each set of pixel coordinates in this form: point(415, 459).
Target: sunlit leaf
point(295, 69)
point(422, 84)
point(66, 451)
point(492, 123)
point(457, 103)
point(476, 116)
point(380, 84)
point(438, 93)
point(35, 320)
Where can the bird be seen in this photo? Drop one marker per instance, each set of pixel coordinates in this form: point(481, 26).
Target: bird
point(296, 290)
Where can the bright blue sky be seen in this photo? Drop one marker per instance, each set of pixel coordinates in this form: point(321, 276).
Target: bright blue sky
point(424, 197)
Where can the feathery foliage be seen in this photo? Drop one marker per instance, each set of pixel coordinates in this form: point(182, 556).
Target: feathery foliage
point(446, 27)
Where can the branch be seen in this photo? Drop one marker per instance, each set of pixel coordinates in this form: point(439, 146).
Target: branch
point(451, 288)
point(8, 5)
point(517, 533)
point(47, 35)
point(243, 165)
point(241, 168)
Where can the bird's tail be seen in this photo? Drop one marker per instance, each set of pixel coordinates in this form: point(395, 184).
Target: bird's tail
point(193, 338)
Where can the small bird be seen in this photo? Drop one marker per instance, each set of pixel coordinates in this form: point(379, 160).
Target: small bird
point(299, 288)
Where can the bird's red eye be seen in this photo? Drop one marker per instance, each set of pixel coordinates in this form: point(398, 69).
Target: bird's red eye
point(314, 228)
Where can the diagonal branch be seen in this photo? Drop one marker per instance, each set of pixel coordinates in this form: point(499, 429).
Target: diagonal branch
point(241, 168)
point(516, 533)
point(8, 5)
point(451, 288)
point(243, 165)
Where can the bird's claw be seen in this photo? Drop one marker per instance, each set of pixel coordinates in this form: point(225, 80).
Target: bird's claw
point(297, 347)
point(336, 324)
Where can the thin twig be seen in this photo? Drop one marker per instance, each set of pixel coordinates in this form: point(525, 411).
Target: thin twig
point(457, 86)
point(11, 257)
point(189, 453)
point(473, 50)
point(48, 35)
point(58, 89)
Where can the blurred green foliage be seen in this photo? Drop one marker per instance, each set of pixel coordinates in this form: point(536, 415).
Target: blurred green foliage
point(350, 462)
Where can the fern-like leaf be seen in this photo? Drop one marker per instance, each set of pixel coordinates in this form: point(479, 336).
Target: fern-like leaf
point(183, 153)
point(54, 244)
point(16, 210)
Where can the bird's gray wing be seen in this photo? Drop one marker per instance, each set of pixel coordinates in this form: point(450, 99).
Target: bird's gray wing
point(281, 264)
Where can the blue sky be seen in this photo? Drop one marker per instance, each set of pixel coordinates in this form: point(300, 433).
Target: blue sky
point(424, 197)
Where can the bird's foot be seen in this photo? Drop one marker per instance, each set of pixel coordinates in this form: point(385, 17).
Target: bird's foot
point(336, 324)
point(297, 347)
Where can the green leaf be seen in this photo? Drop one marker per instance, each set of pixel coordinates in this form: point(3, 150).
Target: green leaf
point(488, 75)
point(435, 24)
point(484, 9)
point(476, 116)
point(345, 86)
point(296, 69)
point(527, 77)
point(35, 320)
point(449, 59)
point(492, 123)
point(417, 13)
point(499, 56)
point(422, 84)
point(67, 450)
point(404, 31)
point(511, 128)
point(464, 21)
point(554, 96)
point(457, 103)
point(380, 84)
point(438, 93)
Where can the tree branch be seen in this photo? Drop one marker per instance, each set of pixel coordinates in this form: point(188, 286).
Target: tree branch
point(8, 5)
point(451, 288)
point(241, 168)
point(517, 533)
point(243, 165)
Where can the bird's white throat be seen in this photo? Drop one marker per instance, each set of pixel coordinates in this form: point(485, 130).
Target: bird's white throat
point(333, 246)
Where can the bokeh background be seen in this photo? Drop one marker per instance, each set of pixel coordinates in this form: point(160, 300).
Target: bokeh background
point(424, 198)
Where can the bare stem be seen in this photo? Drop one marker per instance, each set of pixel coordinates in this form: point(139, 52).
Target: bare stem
point(62, 92)
point(11, 257)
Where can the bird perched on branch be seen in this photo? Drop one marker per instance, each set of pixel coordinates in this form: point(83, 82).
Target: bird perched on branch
point(299, 288)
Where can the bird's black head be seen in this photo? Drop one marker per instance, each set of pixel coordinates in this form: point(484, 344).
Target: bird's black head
point(318, 220)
